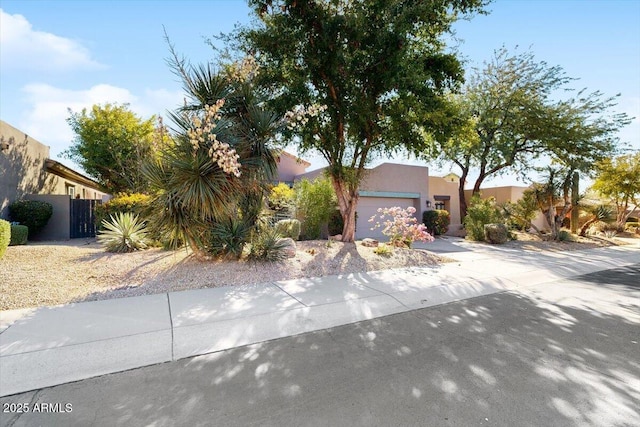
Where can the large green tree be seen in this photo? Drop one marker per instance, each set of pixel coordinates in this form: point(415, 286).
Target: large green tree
point(619, 180)
point(508, 115)
point(356, 76)
point(111, 143)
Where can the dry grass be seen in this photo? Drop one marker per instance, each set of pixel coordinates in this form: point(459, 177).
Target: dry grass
point(63, 272)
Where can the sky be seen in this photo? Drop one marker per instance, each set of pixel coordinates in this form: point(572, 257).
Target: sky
point(61, 55)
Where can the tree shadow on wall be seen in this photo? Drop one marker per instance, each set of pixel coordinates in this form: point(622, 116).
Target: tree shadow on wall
point(21, 173)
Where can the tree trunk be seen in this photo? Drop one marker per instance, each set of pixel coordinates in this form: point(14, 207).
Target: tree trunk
point(575, 212)
point(463, 201)
point(347, 203)
point(349, 217)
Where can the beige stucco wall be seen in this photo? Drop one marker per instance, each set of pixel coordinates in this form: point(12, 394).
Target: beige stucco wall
point(508, 194)
point(440, 186)
point(391, 184)
point(21, 166)
point(289, 167)
point(58, 185)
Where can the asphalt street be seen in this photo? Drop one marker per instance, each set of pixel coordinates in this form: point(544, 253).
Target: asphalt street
point(558, 354)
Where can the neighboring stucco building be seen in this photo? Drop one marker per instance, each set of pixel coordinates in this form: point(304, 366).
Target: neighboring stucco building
point(289, 167)
point(505, 194)
point(27, 172)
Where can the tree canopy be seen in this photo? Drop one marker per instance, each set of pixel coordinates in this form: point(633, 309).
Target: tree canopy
point(619, 180)
point(508, 116)
point(357, 76)
point(111, 143)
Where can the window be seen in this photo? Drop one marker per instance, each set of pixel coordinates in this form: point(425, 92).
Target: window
point(440, 205)
point(71, 190)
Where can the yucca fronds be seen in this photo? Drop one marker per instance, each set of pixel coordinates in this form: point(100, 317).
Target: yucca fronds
point(124, 232)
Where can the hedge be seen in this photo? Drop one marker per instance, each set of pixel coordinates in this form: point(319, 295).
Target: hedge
point(5, 236)
point(19, 235)
point(32, 213)
point(122, 203)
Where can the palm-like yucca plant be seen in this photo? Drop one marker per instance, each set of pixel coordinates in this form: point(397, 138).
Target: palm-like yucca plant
point(124, 232)
point(600, 213)
point(192, 191)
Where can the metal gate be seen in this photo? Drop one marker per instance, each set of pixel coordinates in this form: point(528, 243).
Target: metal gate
point(83, 214)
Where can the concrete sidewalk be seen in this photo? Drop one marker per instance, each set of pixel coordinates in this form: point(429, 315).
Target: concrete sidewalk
point(49, 346)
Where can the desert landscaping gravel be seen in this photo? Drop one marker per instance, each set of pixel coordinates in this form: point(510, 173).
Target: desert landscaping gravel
point(55, 273)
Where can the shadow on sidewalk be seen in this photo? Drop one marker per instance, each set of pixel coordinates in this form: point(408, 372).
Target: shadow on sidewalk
point(503, 359)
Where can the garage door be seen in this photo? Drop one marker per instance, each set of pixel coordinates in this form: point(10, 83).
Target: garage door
point(368, 206)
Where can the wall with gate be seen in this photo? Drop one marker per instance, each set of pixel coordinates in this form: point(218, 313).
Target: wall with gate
point(82, 219)
point(72, 218)
point(58, 226)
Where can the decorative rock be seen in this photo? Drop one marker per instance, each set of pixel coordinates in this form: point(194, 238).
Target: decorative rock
point(496, 233)
point(337, 237)
point(289, 247)
point(370, 243)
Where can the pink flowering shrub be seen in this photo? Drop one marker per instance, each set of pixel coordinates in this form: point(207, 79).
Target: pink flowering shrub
point(400, 226)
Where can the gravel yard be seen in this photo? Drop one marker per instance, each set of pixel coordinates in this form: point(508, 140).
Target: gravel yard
point(52, 273)
point(40, 274)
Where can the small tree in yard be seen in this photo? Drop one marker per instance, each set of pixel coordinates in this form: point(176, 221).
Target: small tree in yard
point(111, 144)
point(315, 202)
point(480, 213)
point(521, 213)
point(400, 226)
point(619, 180)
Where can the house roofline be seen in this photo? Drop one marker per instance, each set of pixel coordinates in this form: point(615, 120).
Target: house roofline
point(63, 171)
point(296, 158)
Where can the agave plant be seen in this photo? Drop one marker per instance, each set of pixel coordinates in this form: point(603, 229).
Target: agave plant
point(123, 233)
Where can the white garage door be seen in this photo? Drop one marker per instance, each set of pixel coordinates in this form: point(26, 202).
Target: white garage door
point(368, 206)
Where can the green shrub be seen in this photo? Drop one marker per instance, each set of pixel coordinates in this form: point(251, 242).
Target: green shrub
point(429, 219)
point(122, 203)
point(288, 228)
point(383, 250)
point(124, 232)
point(229, 237)
point(565, 236)
point(480, 213)
point(5, 236)
point(267, 245)
point(19, 235)
point(282, 198)
point(496, 233)
point(437, 221)
point(32, 213)
point(315, 203)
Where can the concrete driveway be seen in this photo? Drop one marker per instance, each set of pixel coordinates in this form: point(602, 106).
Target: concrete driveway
point(565, 353)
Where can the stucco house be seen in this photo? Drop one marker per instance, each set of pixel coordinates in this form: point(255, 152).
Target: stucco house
point(28, 172)
point(385, 185)
point(392, 184)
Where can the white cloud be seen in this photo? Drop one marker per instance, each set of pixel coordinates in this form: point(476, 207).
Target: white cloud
point(48, 109)
point(22, 47)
